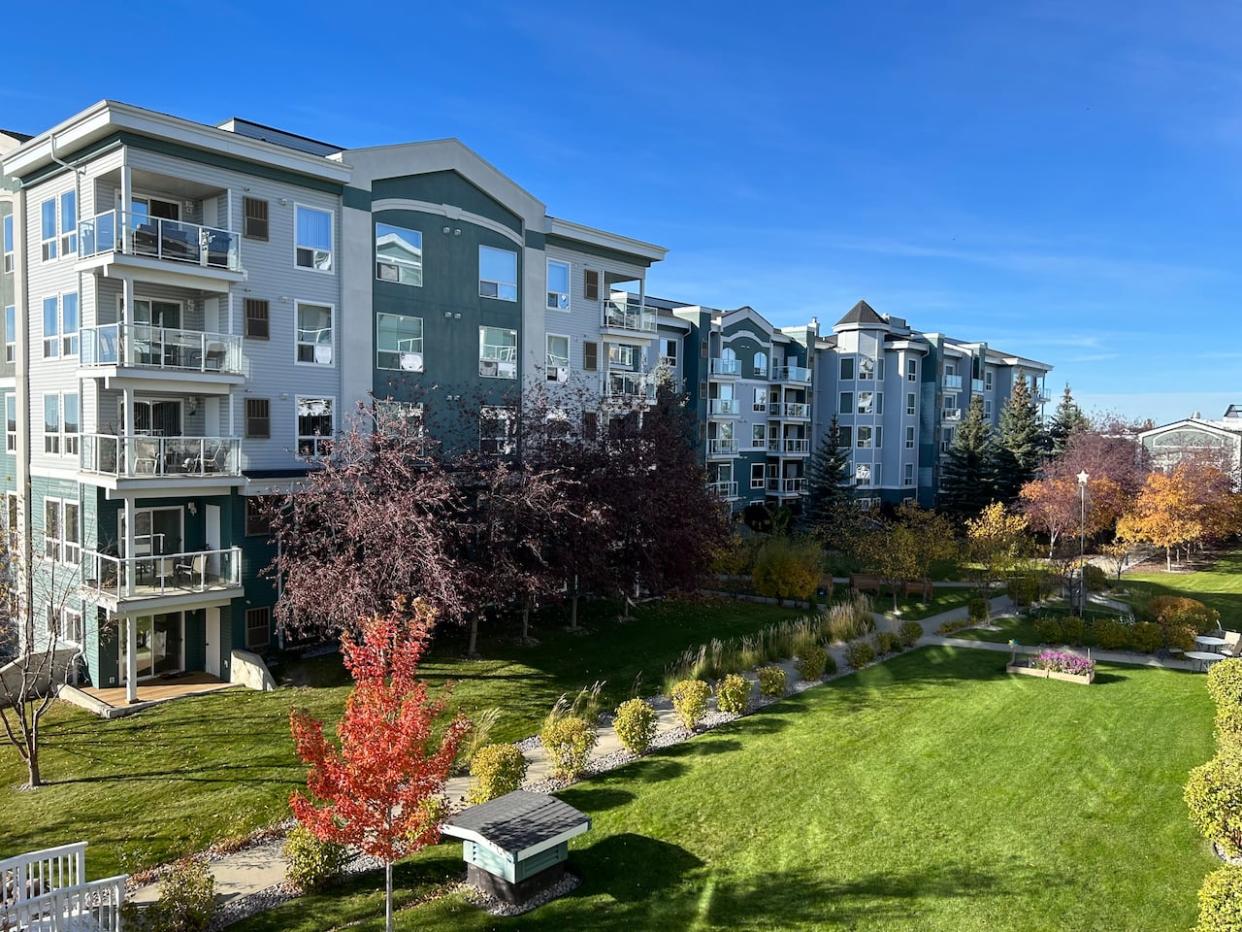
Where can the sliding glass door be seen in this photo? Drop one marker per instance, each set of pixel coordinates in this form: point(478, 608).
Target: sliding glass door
point(159, 645)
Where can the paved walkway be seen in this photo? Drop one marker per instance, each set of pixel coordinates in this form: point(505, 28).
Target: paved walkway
point(245, 872)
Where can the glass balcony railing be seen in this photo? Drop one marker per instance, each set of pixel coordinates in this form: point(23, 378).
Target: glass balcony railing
point(952, 381)
point(789, 409)
point(791, 374)
point(790, 446)
point(719, 366)
point(154, 575)
point(951, 414)
point(724, 489)
point(721, 446)
point(976, 386)
point(631, 385)
point(723, 406)
point(147, 347)
point(145, 457)
point(620, 315)
point(158, 238)
point(787, 486)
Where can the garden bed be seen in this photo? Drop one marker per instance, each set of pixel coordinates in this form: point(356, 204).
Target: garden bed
point(1057, 665)
point(1084, 679)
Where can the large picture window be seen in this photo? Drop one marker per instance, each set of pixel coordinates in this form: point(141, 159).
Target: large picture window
point(497, 431)
point(398, 254)
point(313, 246)
point(558, 285)
point(314, 334)
point(315, 425)
point(399, 342)
point(497, 353)
point(557, 361)
point(497, 273)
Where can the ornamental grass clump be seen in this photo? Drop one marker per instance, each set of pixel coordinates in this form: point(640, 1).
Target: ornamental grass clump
point(733, 695)
point(812, 662)
point(772, 681)
point(497, 769)
point(635, 725)
point(845, 621)
point(1059, 661)
point(690, 701)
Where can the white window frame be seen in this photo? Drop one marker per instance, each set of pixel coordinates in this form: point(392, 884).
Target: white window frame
point(484, 357)
point(843, 406)
point(760, 363)
point(667, 358)
point(399, 266)
point(988, 380)
point(912, 370)
point(879, 404)
point(865, 402)
point(10, 333)
point(879, 436)
point(911, 402)
point(758, 437)
point(506, 443)
point(908, 477)
point(52, 437)
point(879, 367)
point(68, 237)
point(760, 403)
point(314, 439)
point(267, 628)
point(866, 368)
point(858, 437)
point(415, 364)
point(909, 438)
point(560, 301)
point(498, 296)
point(63, 548)
point(51, 244)
point(987, 408)
point(841, 364)
point(6, 235)
point(761, 482)
point(10, 436)
point(553, 364)
point(298, 342)
point(69, 338)
point(70, 441)
point(51, 342)
point(331, 269)
point(71, 629)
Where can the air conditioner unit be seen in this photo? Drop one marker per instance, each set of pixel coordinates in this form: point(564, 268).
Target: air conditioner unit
point(323, 354)
point(562, 373)
point(508, 369)
point(489, 367)
point(412, 362)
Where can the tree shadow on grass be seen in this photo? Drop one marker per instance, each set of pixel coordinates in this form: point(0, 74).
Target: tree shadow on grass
point(631, 868)
point(592, 799)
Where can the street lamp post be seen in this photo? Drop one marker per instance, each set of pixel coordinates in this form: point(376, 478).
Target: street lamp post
point(1082, 541)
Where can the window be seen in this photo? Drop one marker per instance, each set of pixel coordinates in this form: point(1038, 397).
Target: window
point(497, 273)
point(68, 222)
point(880, 369)
point(912, 370)
point(590, 284)
point(950, 403)
point(315, 425)
point(258, 418)
point(987, 380)
point(758, 438)
point(258, 627)
point(71, 627)
point(908, 478)
point(879, 437)
point(10, 423)
point(402, 418)
point(847, 403)
point(51, 424)
point(313, 244)
point(557, 357)
point(756, 475)
point(51, 329)
point(622, 356)
point(946, 439)
point(47, 212)
point(496, 431)
point(71, 421)
point(668, 352)
point(254, 218)
point(497, 353)
point(879, 402)
point(761, 364)
point(864, 438)
point(910, 403)
point(10, 333)
point(71, 533)
point(843, 437)
point(760, 404)
point(590, 424)
point(862, 475)
point(69, 322)
point(909, 438)
point(258, 319)
point(62, 536)
point(398, 254)
point(866, 402)
point(51, 528)
point(314, 334)
point(866, 368)
point(987, 407)
point(558, 285)
point(11, 519)
point(847, 368)
point(877, 474)
point(399, 342)
point(7, 236)
point(590, 356)
point(258, 524)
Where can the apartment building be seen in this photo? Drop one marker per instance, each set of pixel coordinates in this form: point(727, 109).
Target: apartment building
point(192, 311)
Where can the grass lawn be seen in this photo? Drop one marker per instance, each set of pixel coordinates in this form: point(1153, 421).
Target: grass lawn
point(1219, 586)
point(929, 792)
point(171, 780)
point(914, 608)
point(1022, 628)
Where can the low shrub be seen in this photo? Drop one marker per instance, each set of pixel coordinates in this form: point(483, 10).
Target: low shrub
point(787, 568)
point(1110, 634)
point(1220, 901)
point(859, 653)
point(1073, 630)
point(1059, 661)
point(478, 736)
point(772, 681)
point(886, 642)
point(948, 627)
point(1022, 590)
point(1179, 637)
point(1214, 796)
point(1229, 728)
point(690, 701)
point(1050, 631)
point(635, 724)
point(569, 742)
point(977, 609)
point(1146, 637)
point(187, 901)
point(1181, 610)
point(313, 864)
point(812, 663)
point(497, 769)
point(733, 694)
point(910, 632)
point(1224, 682)
point(1095, 578)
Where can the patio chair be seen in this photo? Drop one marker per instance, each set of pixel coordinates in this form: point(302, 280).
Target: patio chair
point(1233, 644)
point(193, 570)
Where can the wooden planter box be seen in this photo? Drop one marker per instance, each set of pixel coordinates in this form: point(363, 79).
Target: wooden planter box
point(1051, 674)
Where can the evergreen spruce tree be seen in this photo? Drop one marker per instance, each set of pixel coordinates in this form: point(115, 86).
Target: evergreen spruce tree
point(828, 510)
point(967, 479)
point(1019, 445)
point(1068, 419)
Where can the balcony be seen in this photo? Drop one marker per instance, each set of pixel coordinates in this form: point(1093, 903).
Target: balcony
point(726, 490)
point(951, 414)
point(144, 461)
point(789, 410)
point(154, 244)
point(723, 407)
point(162, 353)
point(164, 580)
point(976, 386)
point(630, 386)
point(721, 446)
point(782, 487)
point(628, 317)
point(789, 446)
point(953, 382)
point(799, 374)
point(723, 368)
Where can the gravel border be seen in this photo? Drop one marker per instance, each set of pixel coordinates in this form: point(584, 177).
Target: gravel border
point(495, 907)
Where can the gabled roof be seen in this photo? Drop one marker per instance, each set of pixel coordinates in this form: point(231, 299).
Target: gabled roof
point(861, 313)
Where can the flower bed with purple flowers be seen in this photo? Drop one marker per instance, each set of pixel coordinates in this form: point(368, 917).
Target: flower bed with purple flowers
point(1057, 665)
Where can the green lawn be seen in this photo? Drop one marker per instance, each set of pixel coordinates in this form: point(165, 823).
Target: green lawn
point(914, 608)
point(1022, 628)
point(1219, 586)
point(175, 778)
point(928, 792)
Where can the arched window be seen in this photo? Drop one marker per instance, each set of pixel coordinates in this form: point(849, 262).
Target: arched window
point(761, 363)
point(728, 354)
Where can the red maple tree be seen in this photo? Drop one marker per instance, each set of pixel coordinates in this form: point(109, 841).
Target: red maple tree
point(376, 791)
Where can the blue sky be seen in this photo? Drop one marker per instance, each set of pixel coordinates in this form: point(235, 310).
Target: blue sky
point(1063, 180)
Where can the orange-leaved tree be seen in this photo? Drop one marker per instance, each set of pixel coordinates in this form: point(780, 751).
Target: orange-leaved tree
point(1166, 513)
point(377, 792)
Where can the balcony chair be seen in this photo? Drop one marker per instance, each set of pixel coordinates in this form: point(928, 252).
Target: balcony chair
point(146, 457)
point(193, 571)
point(216, 354)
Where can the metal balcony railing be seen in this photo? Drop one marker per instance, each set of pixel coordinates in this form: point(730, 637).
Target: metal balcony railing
point(145, 457)
point(147, 347)
point(158, 238)
point(144, 577)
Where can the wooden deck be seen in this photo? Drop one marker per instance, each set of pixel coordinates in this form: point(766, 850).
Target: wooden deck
point(175, 687)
